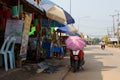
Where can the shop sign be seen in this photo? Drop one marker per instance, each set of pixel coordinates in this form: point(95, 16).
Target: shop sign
point(14, 28)
point(25, 37)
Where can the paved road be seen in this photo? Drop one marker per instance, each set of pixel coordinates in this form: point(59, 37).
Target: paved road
point(100, 65)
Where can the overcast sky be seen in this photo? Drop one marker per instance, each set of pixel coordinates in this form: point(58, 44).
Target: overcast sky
point(92, 16)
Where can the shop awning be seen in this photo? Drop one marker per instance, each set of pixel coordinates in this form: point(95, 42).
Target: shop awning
point(53, 11)
point(68, 29)
point(27, 6)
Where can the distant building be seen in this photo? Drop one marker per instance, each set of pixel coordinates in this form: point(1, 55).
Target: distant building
point(113, 39)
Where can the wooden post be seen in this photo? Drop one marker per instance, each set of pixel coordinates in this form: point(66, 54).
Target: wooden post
point(18, 8)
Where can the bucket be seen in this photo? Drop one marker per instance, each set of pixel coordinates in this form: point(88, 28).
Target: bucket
point(15, 11)
point(35, 22)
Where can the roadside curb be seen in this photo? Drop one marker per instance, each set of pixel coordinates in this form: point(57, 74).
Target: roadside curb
point(65, 73)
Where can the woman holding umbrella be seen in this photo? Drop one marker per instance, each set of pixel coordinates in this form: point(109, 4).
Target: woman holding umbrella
point(76, 45)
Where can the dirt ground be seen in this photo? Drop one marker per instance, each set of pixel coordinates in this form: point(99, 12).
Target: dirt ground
point(34, 72)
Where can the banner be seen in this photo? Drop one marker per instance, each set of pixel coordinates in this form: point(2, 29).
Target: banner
point(14, 28)
point(25, 37)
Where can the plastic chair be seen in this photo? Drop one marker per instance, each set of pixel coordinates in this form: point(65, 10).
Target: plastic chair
point(4, 51)
point(11, 45)
point(8, 48)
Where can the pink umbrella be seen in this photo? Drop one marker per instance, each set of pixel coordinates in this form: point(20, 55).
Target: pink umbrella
point(75, 43)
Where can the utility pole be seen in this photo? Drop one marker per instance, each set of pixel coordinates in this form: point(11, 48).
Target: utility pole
point(113, 24)
point(18, 8)
point(108, 33)
point(118, 27)
point(118, 24)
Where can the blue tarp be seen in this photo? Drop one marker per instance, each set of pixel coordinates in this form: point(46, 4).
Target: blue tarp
point(63, 30)
point(68, 17)
point(51, 23)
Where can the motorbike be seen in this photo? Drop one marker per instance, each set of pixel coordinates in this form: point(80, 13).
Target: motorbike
point(103, 47)
point(77, 60)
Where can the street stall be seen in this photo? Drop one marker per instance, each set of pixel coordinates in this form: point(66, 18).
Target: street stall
point(25, 19)
point(16, 21)
point(55, 13)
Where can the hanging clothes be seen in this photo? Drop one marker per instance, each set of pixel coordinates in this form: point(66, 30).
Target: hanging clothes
point(37, 28)
point(9, 14)
point(33, 15)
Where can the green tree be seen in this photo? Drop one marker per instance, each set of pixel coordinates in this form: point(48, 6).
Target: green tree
point(96, 40)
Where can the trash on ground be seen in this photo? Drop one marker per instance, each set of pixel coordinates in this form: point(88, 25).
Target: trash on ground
point(51, 69)
point(43, 65)
point(39, 70)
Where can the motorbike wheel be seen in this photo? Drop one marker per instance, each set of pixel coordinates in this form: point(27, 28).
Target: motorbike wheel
point(103, 48)
point(75, 67)
point(71, 62)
